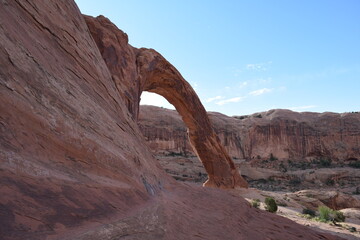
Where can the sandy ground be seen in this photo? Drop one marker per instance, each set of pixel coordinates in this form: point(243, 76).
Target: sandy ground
point(293, 212)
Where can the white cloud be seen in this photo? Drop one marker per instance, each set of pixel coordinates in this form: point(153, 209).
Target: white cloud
point(243, 84)
point(230, 100)
point(260, 91)
point(302, 107)
point(148, 98)
point(213, 99)
point(258, 66)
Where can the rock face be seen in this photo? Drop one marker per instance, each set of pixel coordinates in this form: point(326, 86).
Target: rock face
point(284, 134)
point(73, 162)
point(333, 199)
point(155, 74)
point(70, 153)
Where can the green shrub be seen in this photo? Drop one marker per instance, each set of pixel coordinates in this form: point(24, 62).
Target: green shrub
point(255, 203)
point(270, 205)
point(309, 212)
point(327, 214)
point(324, 213)
point(338, 216)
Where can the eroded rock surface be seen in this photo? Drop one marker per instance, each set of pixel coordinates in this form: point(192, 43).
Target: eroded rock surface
point(284, 134)
point(73, 162)
point(155, 74)
point(333, 199)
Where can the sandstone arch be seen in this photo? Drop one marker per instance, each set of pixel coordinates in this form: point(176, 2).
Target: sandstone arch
point(159, 76)
point(156, 74)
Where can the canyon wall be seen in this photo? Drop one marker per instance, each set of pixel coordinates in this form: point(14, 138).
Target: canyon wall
point(281, 133)
point(73, 162)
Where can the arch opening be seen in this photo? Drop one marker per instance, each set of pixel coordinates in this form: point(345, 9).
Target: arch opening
point(160, 77)
point(136, 70)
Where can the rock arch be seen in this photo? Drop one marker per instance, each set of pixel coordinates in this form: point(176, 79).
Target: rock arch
point(146, 70)
point(159, 76)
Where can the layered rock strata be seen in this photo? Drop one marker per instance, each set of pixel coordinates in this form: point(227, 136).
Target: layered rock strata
point(73, 162)
point(272, 135)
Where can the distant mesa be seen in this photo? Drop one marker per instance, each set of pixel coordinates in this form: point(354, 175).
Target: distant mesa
point(275, 134)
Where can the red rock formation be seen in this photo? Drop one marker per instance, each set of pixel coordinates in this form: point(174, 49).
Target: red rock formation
point(155, 74)
point(73, 163)
point(282, 133)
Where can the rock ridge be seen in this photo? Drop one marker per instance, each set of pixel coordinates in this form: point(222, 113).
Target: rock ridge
point(283, 134)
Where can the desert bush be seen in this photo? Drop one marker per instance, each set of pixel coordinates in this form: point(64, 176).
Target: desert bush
point(324, 213)
point(309, 212)
point(241, 117)
point(325, 162)
point(272, 157)
point(327, 214)
point(338, 216)
point(352, 229)
point(270, 205)
point(255, 203)
point(355, 164)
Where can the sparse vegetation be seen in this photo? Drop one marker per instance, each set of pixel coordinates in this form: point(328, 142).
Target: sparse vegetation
point(299, 164)
point(352, 229)
point(241, 117)
point(282, 167)
point(325, 162)
point(255, 203)
point(354, 164)
point(295, 181)
point(330, 182)
point(338, 216)
point(322, 162)
point(272, 157)
point(326, 214)
point(357, 191)
point(270, 205)
point(309, 212)
point(174, 154)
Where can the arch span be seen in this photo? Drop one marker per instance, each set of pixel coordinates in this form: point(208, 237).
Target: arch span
point(159, 76)
point(136, 70)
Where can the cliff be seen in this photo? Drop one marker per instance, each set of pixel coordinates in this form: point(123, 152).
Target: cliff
point(283, 134)
point(73, 162)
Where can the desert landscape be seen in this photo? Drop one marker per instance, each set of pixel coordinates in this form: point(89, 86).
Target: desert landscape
point(81, 159)
point(311, 170)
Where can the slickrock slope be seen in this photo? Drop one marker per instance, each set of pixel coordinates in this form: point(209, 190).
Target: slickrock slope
point(285, 134)
point(70, 152)
point(74, 164)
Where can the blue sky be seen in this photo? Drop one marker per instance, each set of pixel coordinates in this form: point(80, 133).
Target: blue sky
point(248, 56)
